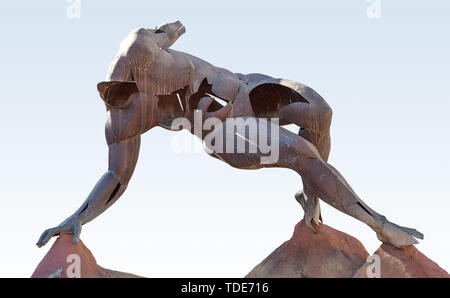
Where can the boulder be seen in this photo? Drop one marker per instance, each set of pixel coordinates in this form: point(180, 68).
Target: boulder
point(400, 263)
point(327, 253)
point(66, 259)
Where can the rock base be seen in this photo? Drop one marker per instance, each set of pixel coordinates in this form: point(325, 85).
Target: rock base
point(331, 253)
point(66, 259)
point(408, 262)
point(327, 253)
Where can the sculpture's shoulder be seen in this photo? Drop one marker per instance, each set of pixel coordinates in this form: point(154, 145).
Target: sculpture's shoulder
point(156, 70)
point(162, 71)
point(136, 51)
point(169, 72)
point(139, 48)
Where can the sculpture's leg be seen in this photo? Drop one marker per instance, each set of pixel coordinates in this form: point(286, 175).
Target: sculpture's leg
point(322, 141)
point(314, 119)
point(322, 179)
point(311, 206)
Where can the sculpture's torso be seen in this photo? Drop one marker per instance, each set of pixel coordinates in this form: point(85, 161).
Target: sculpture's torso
point(172, 84)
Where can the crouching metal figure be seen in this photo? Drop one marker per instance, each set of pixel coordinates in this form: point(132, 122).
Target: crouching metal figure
point(150, 85)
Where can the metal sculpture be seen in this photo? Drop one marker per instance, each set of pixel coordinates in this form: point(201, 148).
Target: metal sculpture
point(150, 85)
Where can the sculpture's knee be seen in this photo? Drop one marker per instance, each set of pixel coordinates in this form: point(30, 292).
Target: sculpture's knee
point(322, 112)
point(325, 116)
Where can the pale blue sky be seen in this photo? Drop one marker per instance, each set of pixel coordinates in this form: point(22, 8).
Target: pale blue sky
point(386, 79)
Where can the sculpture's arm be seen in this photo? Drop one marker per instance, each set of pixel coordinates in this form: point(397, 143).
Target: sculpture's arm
point(122, 161)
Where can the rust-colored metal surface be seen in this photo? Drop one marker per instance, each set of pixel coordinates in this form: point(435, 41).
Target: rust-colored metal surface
point(149, 84)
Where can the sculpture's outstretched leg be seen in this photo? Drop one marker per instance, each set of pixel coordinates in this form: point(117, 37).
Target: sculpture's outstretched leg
point(323, 180)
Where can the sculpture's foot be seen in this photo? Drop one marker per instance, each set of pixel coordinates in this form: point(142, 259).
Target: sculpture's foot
point(397, 235)
point(311, 207)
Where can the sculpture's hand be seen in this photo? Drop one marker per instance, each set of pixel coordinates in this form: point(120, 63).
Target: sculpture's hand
point(70, 225)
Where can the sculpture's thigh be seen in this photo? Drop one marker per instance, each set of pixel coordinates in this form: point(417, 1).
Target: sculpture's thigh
point(313, 116)
point(253, 143)
point(314, 121)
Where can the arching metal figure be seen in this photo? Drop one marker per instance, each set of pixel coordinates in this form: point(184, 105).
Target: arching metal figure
point(150, 85)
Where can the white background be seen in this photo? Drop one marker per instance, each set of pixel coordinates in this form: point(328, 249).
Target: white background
point(189, 215)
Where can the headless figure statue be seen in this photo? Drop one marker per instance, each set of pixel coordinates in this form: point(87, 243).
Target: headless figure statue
point(150, 85)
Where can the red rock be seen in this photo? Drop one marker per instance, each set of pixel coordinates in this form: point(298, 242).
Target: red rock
point(62, 260)
point(403, 263)
point(327, 253)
